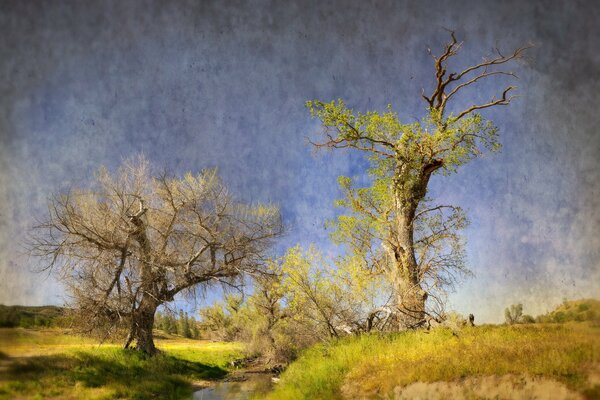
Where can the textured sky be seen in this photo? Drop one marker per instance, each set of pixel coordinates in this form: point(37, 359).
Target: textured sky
point(200, 84)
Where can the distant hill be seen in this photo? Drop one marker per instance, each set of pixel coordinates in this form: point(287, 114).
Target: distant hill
point(573, 310)
point(28, 316)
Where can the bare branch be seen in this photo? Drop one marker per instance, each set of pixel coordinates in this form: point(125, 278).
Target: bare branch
point(439, 98)
point(502, 101)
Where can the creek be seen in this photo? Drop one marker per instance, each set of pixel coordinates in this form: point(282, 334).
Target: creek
point(240, 388)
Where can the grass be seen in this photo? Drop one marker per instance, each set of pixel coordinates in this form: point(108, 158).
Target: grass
point(373, 365)
point(37, 364)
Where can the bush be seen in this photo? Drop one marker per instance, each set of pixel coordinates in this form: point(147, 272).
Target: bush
point(527, 319)
point(576, 310)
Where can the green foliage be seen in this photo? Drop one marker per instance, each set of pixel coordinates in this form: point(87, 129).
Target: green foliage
point(65, 366)
point(576, 310)
point(371, 366)
point(403, 157)
point(389, 140)
point(302, 299)
point(182, 325)
point(29, 316)
point(527, 319)
point(222, 320)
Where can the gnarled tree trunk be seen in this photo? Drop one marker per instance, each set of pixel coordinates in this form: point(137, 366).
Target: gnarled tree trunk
point(411, 297)
point(144, 322)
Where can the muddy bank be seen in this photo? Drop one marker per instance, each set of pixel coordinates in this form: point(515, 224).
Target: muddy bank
point(486, 387)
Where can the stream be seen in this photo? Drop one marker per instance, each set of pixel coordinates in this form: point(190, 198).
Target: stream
point(252, 384)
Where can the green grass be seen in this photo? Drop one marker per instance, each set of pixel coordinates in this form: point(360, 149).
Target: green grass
point(373, 365)
point(48, 364)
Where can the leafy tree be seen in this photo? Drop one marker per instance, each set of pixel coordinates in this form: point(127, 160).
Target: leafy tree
point(221, 320)
point(265, 319)
point(184, 325)
point(514, 314)
point(391, 225)
point(133, 241)
point(330, 298)
point(169, 323)
point(195, 333)
point(299, 299)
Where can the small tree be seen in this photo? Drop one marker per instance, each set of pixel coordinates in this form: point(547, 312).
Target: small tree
point(514, 314)
point(332, 298)
point(220, 320)
point(391, 224)
point(133, 241)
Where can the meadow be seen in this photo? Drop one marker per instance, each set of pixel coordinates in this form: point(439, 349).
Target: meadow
point(51, 363)
point(555, 359)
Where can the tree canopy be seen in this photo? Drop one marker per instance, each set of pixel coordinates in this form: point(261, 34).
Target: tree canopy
point(134, 240)
point(391, 224)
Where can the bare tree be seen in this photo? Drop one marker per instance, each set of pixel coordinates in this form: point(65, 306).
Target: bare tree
point(392, 225)
point(133, 241)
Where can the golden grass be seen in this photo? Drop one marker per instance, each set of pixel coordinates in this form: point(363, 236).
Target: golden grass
point(372, 366)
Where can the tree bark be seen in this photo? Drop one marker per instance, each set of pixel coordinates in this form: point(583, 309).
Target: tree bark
point(142, 326)
point(411, 304)
point(411, 297)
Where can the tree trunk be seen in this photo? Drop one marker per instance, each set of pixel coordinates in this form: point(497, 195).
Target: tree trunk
point(411, 296)
point(141, 329)
point(411, 303)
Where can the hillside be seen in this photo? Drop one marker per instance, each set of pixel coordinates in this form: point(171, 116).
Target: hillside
point(574, 310)
point(28, 316)
point(519, 361)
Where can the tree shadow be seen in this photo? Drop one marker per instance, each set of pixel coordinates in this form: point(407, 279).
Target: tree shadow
point(125, 374)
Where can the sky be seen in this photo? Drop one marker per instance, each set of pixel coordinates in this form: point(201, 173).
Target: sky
point(196, 84)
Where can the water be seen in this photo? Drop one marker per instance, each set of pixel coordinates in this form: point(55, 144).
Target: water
point(237, 390)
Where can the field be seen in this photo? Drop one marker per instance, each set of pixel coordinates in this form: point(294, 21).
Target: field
point(550, 361)
point(541, 361)
point(48, 363)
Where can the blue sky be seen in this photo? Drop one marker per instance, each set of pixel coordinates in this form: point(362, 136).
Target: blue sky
point(222, 84)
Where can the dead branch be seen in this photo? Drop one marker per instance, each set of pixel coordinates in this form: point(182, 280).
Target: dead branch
point(442, 92)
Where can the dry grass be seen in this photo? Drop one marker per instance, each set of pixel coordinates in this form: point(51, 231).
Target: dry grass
point(374, 366)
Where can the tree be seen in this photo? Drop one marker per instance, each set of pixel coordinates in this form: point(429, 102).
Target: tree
point(392, 225)
point(331, 299)
point(195, 334)
point(184, 325)
point(220, 320)
point(514, 314)
point(133, 241)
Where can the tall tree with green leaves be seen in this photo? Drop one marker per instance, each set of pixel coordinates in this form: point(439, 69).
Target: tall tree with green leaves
point(391, 226)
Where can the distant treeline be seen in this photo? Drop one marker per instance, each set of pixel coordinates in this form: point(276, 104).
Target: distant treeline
point(29, 317)
point(182, 324)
